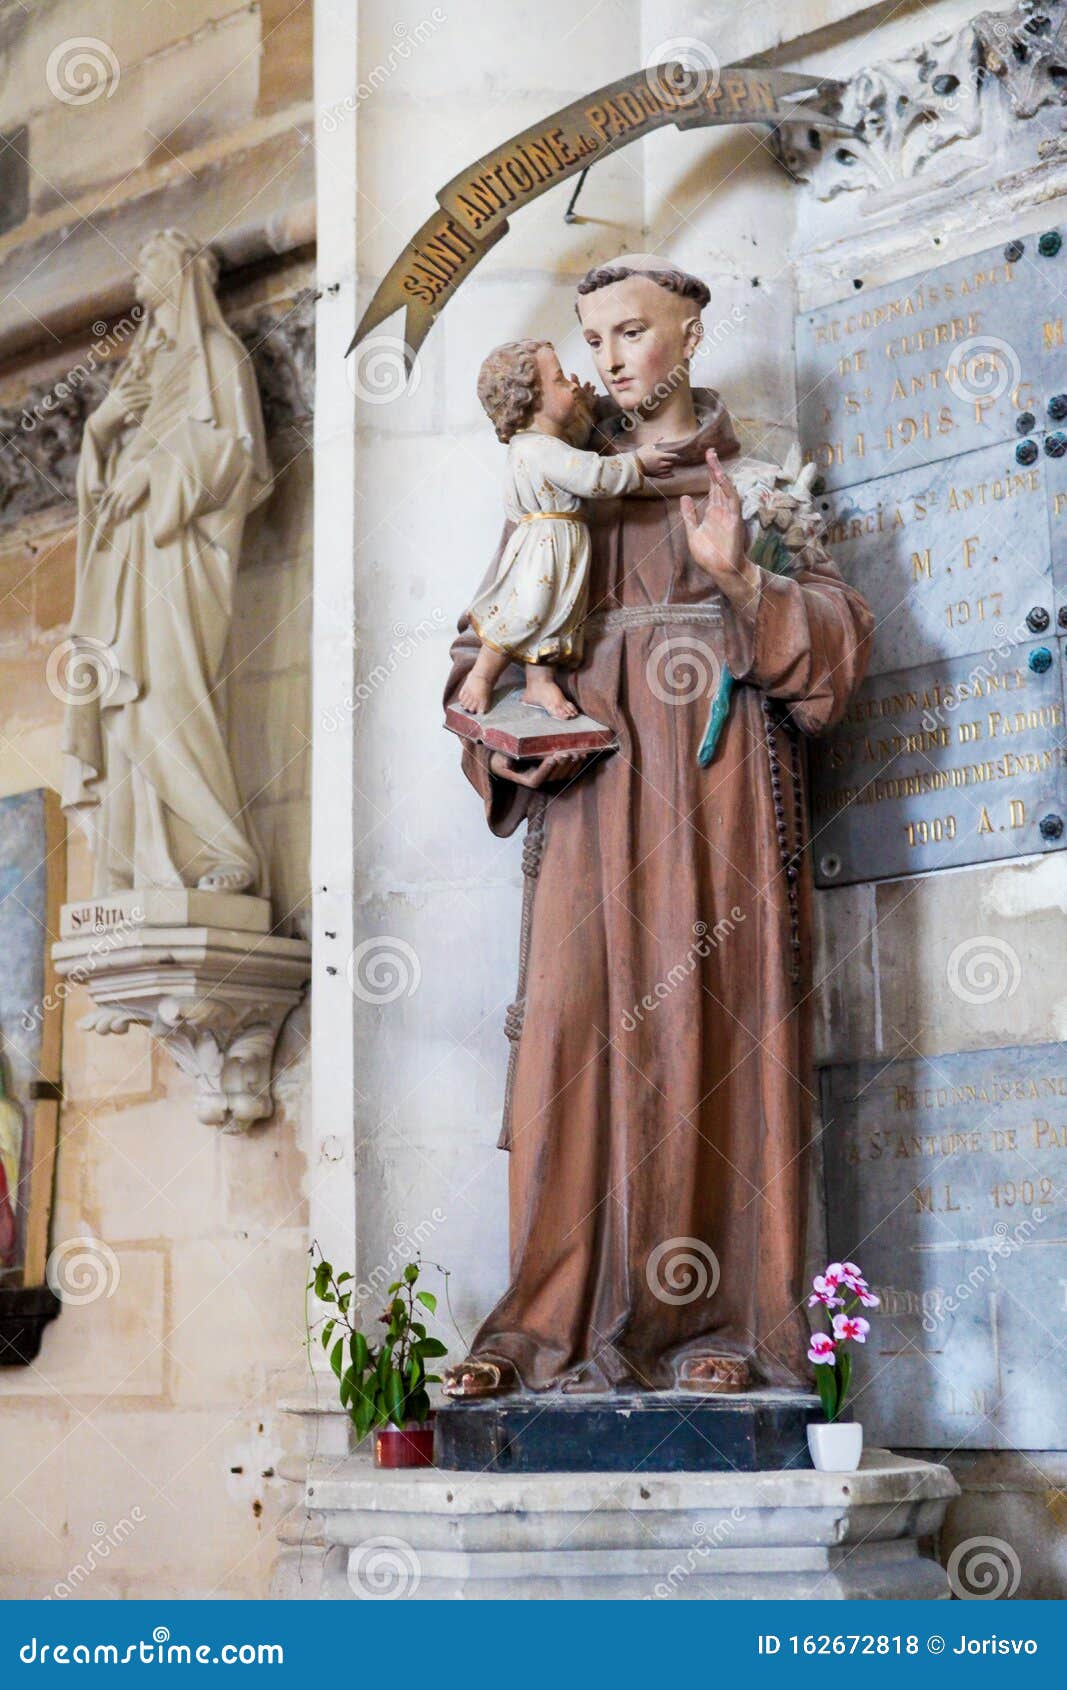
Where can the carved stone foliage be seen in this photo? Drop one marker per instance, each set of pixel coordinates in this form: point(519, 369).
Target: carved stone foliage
point(895, 116)
point(41, 436)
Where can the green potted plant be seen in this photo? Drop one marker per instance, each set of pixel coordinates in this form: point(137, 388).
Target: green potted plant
point(383, 1385)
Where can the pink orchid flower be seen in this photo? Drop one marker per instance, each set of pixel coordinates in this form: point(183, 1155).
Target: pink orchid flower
point(868, 1299)
point(821, 1349)
point(851, 1326)
point(824, 1291)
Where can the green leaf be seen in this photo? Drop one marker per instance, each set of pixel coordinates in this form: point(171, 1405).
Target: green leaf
point(341, 1277)
point(411, 1273)
point(346, 1390)
point(395, 1286)
point(826, 1380)
point(322, 1280)
point(427, 1299)
point(394, 1397)
point(431, 1347)
point(336, 1355)
point(844, 1377)
point(361, 1356)
point(363, 1417)
point(418, 1407)
point(327, 1333)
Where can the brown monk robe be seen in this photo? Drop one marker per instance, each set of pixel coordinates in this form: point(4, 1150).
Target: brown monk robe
point(660, 1094)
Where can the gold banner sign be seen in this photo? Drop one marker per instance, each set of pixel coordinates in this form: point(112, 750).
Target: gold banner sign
point(476, 204)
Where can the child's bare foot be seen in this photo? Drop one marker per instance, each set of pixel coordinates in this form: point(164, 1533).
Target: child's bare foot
point(543, 691)
point(475, 695)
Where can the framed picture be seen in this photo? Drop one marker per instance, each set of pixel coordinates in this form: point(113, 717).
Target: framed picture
point(32, 879)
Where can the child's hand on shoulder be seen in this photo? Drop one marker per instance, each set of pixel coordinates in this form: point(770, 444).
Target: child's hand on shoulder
point(654, 460)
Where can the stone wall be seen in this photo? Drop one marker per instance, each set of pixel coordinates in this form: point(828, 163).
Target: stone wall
point(986, 172)
point(142, 1449)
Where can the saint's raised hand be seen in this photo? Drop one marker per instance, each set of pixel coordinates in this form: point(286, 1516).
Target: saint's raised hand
point(717, 540)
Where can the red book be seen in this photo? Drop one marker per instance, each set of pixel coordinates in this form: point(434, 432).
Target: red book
point(525, 730)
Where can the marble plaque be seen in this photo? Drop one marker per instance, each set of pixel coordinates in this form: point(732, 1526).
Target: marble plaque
point(935, 364)
point(943, 764)
point(945, 1181)
point(952, 555)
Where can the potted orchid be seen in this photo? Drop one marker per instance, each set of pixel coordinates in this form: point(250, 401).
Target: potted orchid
point(841, 1291)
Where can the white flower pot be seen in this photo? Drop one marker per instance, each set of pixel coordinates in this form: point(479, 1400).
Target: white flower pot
point(835, 1446)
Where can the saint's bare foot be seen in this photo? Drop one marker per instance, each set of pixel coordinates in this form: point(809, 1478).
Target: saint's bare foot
point(714, 1375)
point(548, 696)
point(475, 694)
point(472, 1378)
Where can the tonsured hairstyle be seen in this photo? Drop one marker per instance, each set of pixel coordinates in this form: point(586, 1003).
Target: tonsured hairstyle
point(509, 386)
point(675, 281)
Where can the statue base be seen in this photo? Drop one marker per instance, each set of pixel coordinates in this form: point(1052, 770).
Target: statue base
point(424, 1535)
point(627, 1432)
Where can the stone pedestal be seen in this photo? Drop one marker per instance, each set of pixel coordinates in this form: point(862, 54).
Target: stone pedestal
point(202, 972)
point(641, 1432)
point(325, 1436)
point(693, 1536)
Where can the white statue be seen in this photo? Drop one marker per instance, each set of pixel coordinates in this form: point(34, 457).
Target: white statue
point(171, 464)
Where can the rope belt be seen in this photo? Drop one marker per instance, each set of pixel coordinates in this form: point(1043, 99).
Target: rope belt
point(552, 516)
point(708, 615)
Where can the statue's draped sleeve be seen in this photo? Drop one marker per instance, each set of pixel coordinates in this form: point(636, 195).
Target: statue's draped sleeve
point(505, 803)
point(804, 639)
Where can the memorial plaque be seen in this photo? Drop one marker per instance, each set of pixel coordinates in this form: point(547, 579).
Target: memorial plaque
point(945, 1181)
point(933, 365)
point(947, 763)
point(949, 556)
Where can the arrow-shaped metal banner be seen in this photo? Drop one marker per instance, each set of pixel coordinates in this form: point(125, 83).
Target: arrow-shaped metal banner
point(476, 204)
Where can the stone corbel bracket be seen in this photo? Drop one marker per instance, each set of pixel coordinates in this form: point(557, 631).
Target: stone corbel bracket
point(214, 995)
